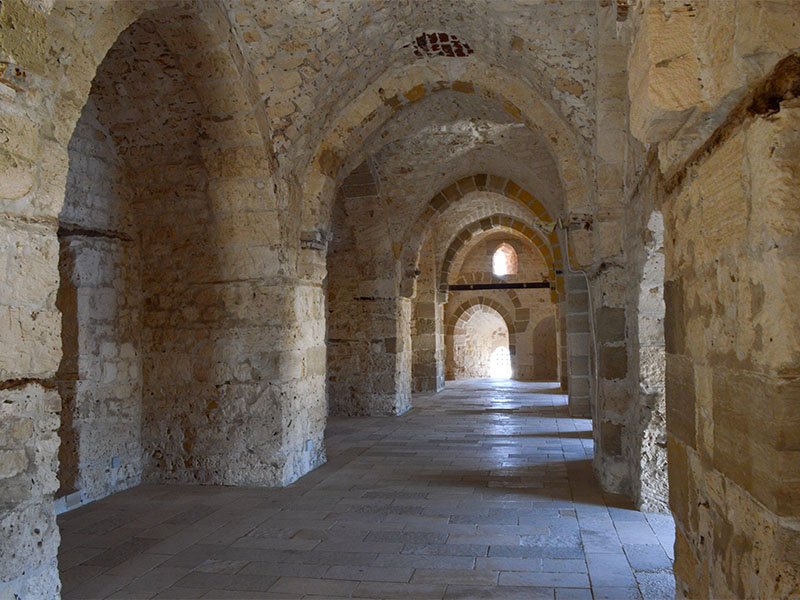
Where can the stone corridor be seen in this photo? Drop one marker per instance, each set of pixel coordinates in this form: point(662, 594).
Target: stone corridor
point(484, 490)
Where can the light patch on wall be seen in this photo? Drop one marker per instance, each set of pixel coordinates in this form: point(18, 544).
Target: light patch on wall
point(500, 363)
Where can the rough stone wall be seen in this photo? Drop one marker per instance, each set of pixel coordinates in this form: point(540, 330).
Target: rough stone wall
point(732, 356)
point(644, 439)
point(477, 334)
point(213, 408)
point(427, 325)
point(690, 64)
point(713, 92)
point(29, 425)
point(100, 375)
point(272, 378)
point(370, 365)
point(596, 240)
point(244, 312)
point(369, 324)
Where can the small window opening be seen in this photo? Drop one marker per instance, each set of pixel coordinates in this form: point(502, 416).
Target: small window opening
point(504, 261)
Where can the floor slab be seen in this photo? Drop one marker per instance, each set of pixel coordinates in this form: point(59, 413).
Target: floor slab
point(484, 490)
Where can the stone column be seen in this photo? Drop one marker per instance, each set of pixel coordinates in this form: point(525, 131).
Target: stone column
point(369, 358)
point(578, 347)
point(427, 327)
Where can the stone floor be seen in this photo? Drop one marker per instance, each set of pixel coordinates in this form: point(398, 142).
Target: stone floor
point(482, 491)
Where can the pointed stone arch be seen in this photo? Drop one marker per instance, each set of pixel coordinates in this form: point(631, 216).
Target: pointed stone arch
point(399, 89)
point(544, 236)
point(477, 303)
point(501, 222)
point(199, 33)
point(513, 324)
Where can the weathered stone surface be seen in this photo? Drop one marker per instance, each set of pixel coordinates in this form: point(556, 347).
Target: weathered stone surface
point(215, 216)
point(29, 447)
point(690, 63)
point(728, 257)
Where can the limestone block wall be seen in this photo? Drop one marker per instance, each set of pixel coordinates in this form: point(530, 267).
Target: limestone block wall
point(427, 326)
point(579, 346)
point(596, 240)
point(563, 361)
point(644, 438)
point(690, 64)
point(369, 356)
point(545, 346)
point(197, 181)
point(369, 350)
point(727, 151)
point(29, 422)
point(100, 375)
point(732, 355)
point(216, 315)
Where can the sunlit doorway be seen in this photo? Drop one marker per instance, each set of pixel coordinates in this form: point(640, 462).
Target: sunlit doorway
point(500, 363)
point(479, 346)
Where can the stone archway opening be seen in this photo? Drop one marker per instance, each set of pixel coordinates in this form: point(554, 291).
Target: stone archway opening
point(478, 347)
point(168, 373)
point(137, 241)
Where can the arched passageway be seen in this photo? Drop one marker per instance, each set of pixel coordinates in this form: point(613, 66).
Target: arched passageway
point(529, 312)
point(472, 347)
point(139, 250)
point(222, 222)
point(170, 295)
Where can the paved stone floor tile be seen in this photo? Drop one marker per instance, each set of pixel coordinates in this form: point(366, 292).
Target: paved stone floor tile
point(173, 593)
point(655, 586)
point(617, 593)
point(456, 576)
point(485, 490)
point(285, 569)
point(351, 573)
point(573, 594)
point(239, 595)
point(302, 586)
point(647, 557)
point(371, 589)
point(101, 586)
point(465, 592)
point(425, 561)
point(544, 579)
point(610, 570)
point(503, 563)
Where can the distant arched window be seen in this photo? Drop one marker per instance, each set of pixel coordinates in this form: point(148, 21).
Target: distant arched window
point(505, 261)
